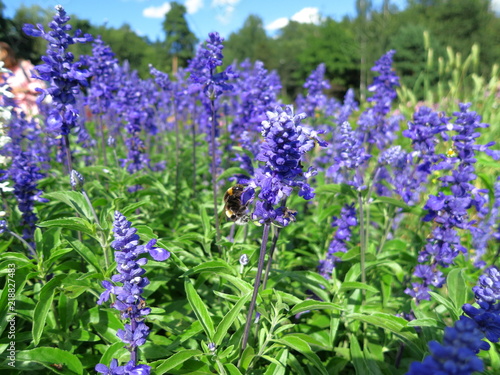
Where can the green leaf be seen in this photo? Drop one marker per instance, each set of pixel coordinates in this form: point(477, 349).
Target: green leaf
point(112, 351)
point(75, 200)
point(303, 347)
point(446, 303)
point(87, 254)
point(213, 266)
point(426, 322)
point(15, 279)
point(130, 209)
point(176, 360)
point(232, 369)
point(200, 309)
point(357, 356)
point(246, 357)
point(50, 356)
point(393, 202)
point(243, 150)
point(73, 223)
point(457, 287)
point(314, 305)
point(173, 256)
point(230, 172)
point(239, 284)
point(328, 188)
point(43, 305)
point(335, 189)
point(394, 324)
point(277, 366)
point(228, 319)
point(348, 285)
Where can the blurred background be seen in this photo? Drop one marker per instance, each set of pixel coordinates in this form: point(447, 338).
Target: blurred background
point(291, 37)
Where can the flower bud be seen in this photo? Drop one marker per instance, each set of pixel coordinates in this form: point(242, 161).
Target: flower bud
point(76, 180)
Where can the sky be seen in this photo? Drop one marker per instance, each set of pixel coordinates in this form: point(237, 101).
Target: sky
point(203, 16)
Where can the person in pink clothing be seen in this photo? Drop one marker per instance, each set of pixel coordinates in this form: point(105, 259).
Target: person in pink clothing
point(22, 84)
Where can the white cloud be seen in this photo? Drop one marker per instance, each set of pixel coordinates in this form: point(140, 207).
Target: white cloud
point(156, 12)
point(277, 24)
point(495, 5)
point(222, 3)
point(192, 6)
point(227, 8)
point(306, 15)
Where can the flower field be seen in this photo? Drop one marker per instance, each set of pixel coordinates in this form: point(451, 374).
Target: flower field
point(197, 223)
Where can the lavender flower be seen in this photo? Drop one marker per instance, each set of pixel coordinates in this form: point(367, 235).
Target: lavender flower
point(255, 93)
point(374, 127)
point(347, 108)
point(350, 156)
point(461, 343)
point(285, 142)
point(487, 316)
point(76, 180)
point(450, 212)
point(486, 229)
point(316, 98)
point(64, 75)
point(129, 300)
point(457, 354)
point(103, 67)
point(344, 223)
point(203, 68)
point(25, 173)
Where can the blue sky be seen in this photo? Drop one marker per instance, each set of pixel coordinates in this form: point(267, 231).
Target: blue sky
point(204, 16)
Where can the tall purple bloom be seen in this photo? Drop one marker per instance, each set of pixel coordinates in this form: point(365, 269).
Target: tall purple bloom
point(256, 92)
point(65, 75)
point(457, 355)
point(350, 105)
point(374, 126)
point(451, 211)
point(315, 99)
point(344, 223)
point(285, 142)
point(461, 343)
point(203, 68)
point(129, 300)
point(103, 67)
point(350, 157)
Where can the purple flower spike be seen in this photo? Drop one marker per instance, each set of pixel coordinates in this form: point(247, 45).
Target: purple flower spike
point(344, 223)
point(64, 75)
point(129, 300)
point(458, 353)
point(285, 142)
point(451, 211)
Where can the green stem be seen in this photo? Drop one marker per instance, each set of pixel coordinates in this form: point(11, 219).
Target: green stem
point(362, 238)
point(214, 171)
point(69, 163)
point(177, 157)
point(262, 255)
point(270, 258)
point(387, 228)
point(30, 248)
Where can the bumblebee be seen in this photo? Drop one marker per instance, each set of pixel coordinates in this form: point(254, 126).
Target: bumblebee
point(234, 208)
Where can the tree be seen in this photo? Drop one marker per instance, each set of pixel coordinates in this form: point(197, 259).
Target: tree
point(251, 41)
point(27, 47)
point(335, 45)
point(410, 59)
point(291, 41)
point(180, 41)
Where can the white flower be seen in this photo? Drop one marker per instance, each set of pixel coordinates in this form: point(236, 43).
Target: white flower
point(5, 188)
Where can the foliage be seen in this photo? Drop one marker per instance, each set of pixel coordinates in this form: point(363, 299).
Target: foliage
point(180, 41)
